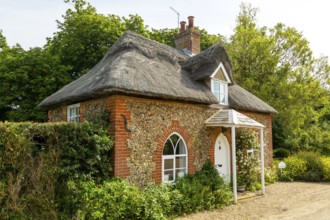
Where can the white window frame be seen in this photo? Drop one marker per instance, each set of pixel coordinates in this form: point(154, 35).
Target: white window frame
point(76, 116)
point(222, 67)
point(173, 157)
point(219, 93)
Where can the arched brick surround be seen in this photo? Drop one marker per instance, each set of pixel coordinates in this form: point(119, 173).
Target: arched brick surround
point(157, 158)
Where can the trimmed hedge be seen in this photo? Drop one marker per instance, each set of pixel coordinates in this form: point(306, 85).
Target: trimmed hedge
point(37, 161)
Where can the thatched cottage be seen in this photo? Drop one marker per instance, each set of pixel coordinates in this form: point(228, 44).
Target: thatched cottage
point(170, 109)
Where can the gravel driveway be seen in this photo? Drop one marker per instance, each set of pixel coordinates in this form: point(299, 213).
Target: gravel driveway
point(301, 201)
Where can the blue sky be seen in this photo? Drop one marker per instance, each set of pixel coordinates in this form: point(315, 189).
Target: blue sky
point(30, 22)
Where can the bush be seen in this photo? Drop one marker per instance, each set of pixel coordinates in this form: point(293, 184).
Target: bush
point(118, 199)
point(248, 165)
point(312, 159)
point(37, 160)
point(271, 173)
point(110, 200)
point(161, 201)
point(295, 168)
point(281, 153)
point(203, 191)
point(325, 168)
point(314, 165)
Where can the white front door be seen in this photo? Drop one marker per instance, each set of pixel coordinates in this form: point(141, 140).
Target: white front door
point(222, 157)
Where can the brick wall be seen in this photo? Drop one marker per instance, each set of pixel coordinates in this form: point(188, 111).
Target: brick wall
point(137, 154)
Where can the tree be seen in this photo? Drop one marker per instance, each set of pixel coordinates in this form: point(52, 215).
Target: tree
point(3, 42)
point(277, 65)
point(85, 36)
point(27, 77)
point(164, 36)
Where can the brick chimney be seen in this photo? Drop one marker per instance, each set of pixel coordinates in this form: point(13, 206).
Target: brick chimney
point(188, 38)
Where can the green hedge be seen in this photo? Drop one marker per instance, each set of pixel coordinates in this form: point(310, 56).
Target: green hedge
point(307, 166)
point(37, 161)
point(325, 168)
point(61, 171)
point(118, 199)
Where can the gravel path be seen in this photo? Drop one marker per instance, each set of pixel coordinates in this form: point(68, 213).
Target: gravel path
point(296, 201)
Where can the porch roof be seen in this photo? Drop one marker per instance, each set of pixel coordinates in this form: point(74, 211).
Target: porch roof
point(231, 118)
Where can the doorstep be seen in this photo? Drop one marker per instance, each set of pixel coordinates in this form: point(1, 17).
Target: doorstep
point(248, 195)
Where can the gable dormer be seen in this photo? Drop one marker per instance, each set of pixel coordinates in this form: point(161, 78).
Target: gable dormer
point(212, 67)
point(218, 82)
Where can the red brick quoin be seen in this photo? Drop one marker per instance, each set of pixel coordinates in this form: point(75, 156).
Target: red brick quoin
point(161, 139)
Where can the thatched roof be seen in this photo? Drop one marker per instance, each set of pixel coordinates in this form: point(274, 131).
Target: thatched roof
point(241, 99)
point(138, 66)
point(204, 64)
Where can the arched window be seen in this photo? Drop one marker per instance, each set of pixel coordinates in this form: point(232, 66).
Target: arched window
point(174, 158)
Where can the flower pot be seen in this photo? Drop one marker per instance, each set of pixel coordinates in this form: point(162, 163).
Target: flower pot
point(240, 188)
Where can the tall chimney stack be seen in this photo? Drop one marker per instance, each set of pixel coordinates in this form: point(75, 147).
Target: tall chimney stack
point(188, 38)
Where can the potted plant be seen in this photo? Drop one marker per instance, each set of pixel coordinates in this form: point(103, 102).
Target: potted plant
point(240, 184)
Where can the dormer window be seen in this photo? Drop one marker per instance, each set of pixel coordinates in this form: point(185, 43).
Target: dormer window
point(219, 84)
point(220, 90)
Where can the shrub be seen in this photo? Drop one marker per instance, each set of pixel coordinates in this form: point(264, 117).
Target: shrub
point(312, 159)
point(115, 199)
point(281, 153)
point(271, 173)
point(326, 168)
point(37, 160)
point(295, 168)
point(118, 199)
point(314, 165)
point(248, 166)
point(203, 191)
point(160, 201)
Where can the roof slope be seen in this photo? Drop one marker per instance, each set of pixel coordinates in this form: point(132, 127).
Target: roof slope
point(135, 65)
point(205, 63)
point(138, 66)
point(241, 99)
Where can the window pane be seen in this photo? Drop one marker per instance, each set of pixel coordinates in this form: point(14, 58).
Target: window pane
point(174, 139)
point(168, 175)
point(180, 149)
point(217, 95)
point(168, 164)
point(77, 111)
point(180, 172)
point(222, 88)
point(180, 162)
point(168, 148)
point(216, 86)
point(222, 98)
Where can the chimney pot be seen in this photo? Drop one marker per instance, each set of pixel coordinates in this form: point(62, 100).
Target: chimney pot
point(182, 26)
point(191, 22)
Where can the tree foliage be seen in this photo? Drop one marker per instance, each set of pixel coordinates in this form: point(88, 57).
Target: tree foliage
point(277, 65)
point(27, 77)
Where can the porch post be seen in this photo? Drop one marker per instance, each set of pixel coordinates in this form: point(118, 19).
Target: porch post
point(233, 155)
point(262, 161)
